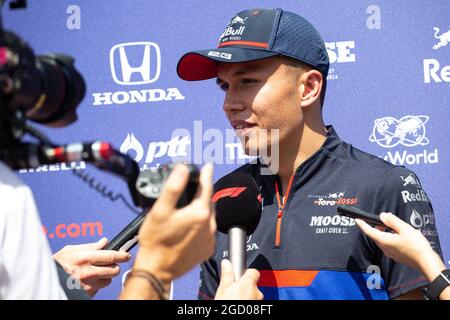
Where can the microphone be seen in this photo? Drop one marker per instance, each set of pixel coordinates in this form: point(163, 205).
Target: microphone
point(238, 211)
point(126, 239)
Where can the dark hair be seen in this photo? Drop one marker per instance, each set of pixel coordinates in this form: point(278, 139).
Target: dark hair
point(299, 64)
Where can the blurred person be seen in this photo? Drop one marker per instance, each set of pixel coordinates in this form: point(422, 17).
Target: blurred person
point(27, 270)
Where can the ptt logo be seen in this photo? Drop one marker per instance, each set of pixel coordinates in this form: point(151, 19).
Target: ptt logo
point(176, 147)
point(408, 131)
point(140, 60)
point(421, 220)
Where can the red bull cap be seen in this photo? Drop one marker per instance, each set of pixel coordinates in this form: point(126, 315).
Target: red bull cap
point(257, 34)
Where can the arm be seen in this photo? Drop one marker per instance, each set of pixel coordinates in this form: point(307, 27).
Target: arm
point(407, 246)
point(172, 241)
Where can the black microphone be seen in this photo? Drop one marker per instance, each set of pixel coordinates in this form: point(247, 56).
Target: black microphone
point(126, 239)
point(238, 211)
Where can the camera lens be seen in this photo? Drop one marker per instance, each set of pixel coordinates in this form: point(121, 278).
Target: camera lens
point(47, 89)
point(63, 88)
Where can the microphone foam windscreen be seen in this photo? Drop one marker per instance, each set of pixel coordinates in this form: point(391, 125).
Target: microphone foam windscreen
point(238, 202)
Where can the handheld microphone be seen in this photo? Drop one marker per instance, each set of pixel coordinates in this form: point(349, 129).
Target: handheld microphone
point(238, 211)
point(126, 239)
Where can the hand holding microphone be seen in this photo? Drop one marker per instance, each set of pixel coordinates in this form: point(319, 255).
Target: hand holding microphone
point(238, 210)
point(243, 289)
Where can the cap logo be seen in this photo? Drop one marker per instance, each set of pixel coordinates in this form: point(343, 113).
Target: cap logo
point(238, 19)
point(234, 30)
point(218, 54)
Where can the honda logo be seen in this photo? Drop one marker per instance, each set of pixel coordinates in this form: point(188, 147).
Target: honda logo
point(135, 63)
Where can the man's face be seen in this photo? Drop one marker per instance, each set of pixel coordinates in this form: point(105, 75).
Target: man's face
point(260, 96)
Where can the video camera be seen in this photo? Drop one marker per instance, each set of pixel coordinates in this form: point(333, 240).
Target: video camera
point(47, 89)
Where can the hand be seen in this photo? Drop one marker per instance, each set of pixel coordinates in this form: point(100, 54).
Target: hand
point(407, 245)
point(90, 265)
point(243, 289)
point(171, 240)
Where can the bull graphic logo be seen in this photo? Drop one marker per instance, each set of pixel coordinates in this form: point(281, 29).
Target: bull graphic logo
point(131, 143)
point(336, 195)
point(238, 19)
point(408, 131)
point(411, 179)
point(444, 38)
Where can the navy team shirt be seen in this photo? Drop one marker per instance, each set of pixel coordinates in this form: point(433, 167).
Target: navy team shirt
point(309, 251)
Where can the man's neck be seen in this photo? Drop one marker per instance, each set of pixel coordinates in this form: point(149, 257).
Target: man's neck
point(294, 152)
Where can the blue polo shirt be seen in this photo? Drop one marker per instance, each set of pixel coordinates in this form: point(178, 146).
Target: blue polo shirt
point(309, 251)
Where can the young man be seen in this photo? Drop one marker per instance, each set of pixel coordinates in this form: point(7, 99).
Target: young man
point(272, 65)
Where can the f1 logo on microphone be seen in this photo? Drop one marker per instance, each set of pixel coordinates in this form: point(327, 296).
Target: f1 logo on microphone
point(134, 63)
point(229, 192)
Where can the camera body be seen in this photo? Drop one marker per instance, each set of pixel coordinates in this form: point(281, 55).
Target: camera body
point(150, 184)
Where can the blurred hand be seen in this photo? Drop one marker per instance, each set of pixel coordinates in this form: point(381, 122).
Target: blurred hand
point(172, 241)
point(91, 265)
point(407, 245)
point(244, 289)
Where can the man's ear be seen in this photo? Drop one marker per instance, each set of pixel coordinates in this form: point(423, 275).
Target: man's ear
point(311, 82)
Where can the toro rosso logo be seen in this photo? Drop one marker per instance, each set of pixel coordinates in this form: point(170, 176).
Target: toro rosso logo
point(333, 198)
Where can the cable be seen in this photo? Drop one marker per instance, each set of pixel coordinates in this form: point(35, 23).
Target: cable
point(102, 189)
point(38, 134)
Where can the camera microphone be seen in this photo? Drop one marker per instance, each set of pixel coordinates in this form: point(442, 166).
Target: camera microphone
point(101, 154)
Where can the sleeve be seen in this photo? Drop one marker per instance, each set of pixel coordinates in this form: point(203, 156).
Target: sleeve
point(402, 194)
point(28, 270)
point(209, 280)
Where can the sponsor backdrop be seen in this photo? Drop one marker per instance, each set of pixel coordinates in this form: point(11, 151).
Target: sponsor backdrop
point(388, 94)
